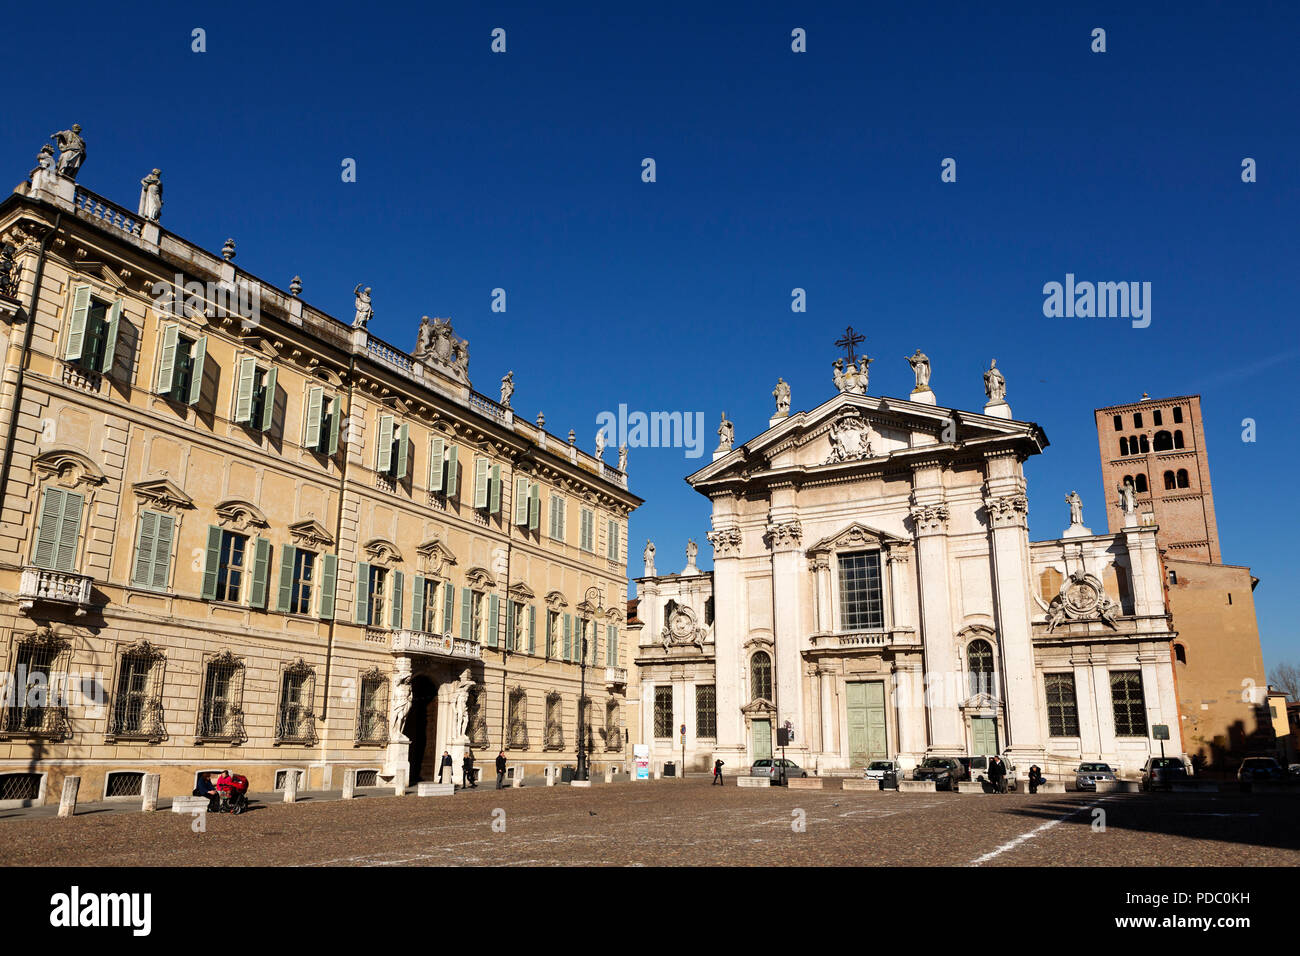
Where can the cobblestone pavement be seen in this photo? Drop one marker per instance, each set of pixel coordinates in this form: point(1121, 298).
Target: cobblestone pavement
point(689, 823)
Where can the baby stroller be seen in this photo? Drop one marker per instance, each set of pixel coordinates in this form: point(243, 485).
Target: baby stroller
point(233, 799)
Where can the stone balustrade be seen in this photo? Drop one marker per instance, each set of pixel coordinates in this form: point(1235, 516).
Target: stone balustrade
point(58, 587)
point(96, 207)
point(407, 641)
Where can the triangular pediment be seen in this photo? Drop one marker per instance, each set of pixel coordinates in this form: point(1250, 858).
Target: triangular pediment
point(162, 494)
point(855, 431)
point(856, 535)
point(311, 533)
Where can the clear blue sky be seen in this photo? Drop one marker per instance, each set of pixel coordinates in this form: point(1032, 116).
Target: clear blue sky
point(775, 170)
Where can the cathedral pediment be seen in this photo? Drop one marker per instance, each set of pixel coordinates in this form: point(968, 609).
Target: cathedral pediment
point(856, 535)
point(855, 431)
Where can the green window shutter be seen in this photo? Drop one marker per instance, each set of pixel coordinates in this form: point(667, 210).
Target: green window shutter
point(146, 536)
point(69, 530)
point(363, 593)
point(437, 448)
point(417, 603)
point(568, 638)
point(510, 625)
point(384, 458)
point(77, 325)
point(336, 417)
point(210, 562)
point(466, 614)
point(403, 444)
point(162, 550)
point(448, 607)
point(399, 588)
point(261, 571)
point(196, 383)
point(521, 501)
point(494, 608)
point(534, 507)
point(611, 645)
point(244, 389)
point(480, 482)
point(47, 528)
point(494, 490)
point(285, 591)
point(612, 540)
point(110, 336)
point(532, 629)
point(268, 403)
point(315, 407)
point(453, 477)
point(328, 580)
point(167, 359)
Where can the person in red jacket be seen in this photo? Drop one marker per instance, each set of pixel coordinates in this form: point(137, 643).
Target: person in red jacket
point(235, 787)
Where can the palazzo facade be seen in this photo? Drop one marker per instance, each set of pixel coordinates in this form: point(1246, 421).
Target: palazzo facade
point(875, 592)
point(239, 532)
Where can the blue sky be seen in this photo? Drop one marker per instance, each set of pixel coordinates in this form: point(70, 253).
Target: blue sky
point(775, 170)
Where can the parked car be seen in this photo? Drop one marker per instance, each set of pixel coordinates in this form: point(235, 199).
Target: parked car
point(1160, 772)
point(884, 771)
point(772, 769)
point(1261, 769)
point(1293, 770)
point(1086, 777)
point(944, 771)
point(977, 768)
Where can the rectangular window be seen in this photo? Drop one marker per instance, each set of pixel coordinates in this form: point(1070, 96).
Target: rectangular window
point(1137, 419)
point(611, 645)
point(183, 370)
point(587, 526)
point(372, 711)
point(92, 331)
point(304, 577)
point(1119, 423)
point(478, 627)
point(611, 541)
point(375, 597)
point(321, 430)
point(138, 700)
point(663, 712)
point(293, 721)
point(552, 632)
point(557, 518)
point(40, 667)
point(862, 605)
point(1062, 709)
point(431, 614)
point(96, 341)
point(219, 714)
point(1129, 703)
point(231, 566)
point(153, 550)
point(58, 529)
point(1178, 416)
point(706, 710)
point(1156, 417)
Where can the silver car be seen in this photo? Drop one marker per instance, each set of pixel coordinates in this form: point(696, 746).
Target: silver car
point(775, 769)
point(884, 772)
point(1086, 777)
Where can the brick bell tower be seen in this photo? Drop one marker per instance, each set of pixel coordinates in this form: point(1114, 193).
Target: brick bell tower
point(1159, 443)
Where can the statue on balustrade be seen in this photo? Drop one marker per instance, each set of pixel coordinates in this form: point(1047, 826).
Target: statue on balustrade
point(72, 150)
point(151, 201)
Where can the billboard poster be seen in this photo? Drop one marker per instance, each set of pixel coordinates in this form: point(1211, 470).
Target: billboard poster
point(641, 762)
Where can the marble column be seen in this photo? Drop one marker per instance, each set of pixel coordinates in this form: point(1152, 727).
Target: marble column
point(1006, 507)
point(929, 516)
point(788, 567)
point(826, 693)
point(731, 630)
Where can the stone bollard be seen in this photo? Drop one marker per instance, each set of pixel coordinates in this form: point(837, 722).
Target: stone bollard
point(291, 786)
point(657, 769)
point(399, 783)
point(149, 792)
point(518, 780)
point(349, 784)
point(609, 774)
point(68, 801)
point(550, 774)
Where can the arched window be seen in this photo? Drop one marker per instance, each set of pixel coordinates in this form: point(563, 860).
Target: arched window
point(1170, 482)
point(1132, 444)
point(979, 665)
point(1126, 480)
point(1146, 445)
point(1140, 486)
point(1182, 478)
point(1178, 438)
point(1123, 446)
point(1164, 441)
point(760, 676)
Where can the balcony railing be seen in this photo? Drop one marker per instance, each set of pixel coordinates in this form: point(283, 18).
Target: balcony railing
point(54, 587)
point(863, 638)
point(485, 406)
point(408, 641)
point(615, 675)
point(97, 207)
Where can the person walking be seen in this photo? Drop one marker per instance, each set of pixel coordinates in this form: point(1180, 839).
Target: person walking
point(501, 769)
point(467, 765)
point(717, 773)
point(445, 765)
point(997, 774)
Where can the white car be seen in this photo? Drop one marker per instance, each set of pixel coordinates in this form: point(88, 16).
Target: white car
point(885, 772)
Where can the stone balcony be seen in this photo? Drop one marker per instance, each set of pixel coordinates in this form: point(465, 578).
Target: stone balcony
point(615, 676)
point(864, 639)
point(42, 586)
point(406, 641)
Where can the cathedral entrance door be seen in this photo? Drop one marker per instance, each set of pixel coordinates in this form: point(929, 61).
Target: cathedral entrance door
point(983, 736)
point(761, 739)
point(866, 720)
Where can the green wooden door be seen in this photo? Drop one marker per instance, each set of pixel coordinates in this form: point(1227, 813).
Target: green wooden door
point(866, 721)
point(761, 733)
point(983, 736)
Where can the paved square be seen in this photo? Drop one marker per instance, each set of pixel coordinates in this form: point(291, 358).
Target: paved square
point(689, 823)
